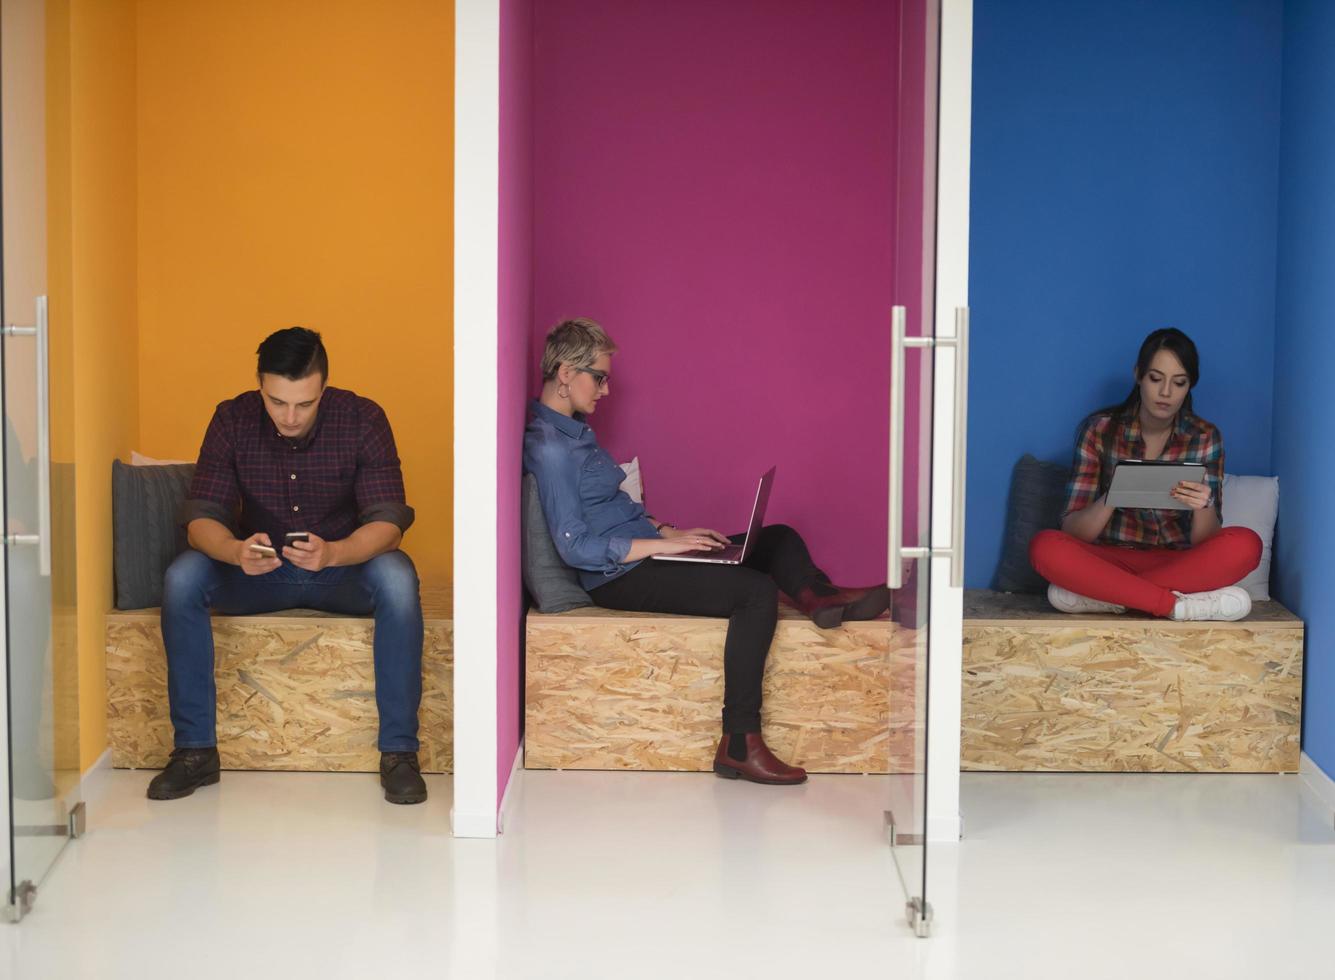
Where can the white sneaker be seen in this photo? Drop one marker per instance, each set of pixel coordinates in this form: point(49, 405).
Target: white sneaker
point(1221, 604)
point(1068, 602)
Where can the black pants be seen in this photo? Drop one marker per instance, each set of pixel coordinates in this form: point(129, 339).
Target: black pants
point(747, 595)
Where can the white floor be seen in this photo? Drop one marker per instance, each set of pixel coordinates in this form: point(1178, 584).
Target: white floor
point(633, 876)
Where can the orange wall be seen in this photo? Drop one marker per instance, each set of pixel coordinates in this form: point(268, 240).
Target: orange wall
point(92, 280)
point(295, 167)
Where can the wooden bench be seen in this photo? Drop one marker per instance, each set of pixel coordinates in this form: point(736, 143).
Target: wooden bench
point(1045, 691)
point(617, 690)
point(296, 690)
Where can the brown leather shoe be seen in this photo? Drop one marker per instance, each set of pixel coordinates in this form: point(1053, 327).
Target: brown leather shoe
point(760, 765)
point(845, 605)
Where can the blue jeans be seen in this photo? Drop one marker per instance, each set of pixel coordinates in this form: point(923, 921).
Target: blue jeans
point(386, 587)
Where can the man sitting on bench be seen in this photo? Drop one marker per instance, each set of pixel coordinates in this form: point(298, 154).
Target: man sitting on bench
point(310, 476)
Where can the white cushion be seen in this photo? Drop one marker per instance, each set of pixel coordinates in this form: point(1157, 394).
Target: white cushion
point(1253, 501)
point(633, 484)
point(139, 459)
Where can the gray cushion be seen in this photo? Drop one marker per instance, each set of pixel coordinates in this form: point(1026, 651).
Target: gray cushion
point(145, 534)
point(1038, 491)
point(553, 584)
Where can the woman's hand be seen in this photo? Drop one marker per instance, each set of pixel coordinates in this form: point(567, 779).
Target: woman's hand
point(695, 532)
point(684, 541)
point(1197, 496)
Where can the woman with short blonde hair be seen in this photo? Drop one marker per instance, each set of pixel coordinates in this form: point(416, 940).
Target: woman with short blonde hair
point(576, 342)
point(603, 534)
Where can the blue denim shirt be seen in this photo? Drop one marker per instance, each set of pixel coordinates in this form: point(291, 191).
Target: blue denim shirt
point(591, 519)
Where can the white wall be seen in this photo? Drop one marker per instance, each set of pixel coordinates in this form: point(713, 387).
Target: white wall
point(952, 291)
point(476, 236)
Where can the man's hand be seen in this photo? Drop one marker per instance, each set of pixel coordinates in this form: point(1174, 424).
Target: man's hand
point(312, 555)
point(694, 532)
point(252, 562)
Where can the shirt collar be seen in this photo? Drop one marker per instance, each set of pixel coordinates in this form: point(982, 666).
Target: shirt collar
point(1181, 427)
point(573, 427)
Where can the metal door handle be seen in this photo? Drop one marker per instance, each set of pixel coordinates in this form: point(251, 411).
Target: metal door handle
point(895, 573)
point(898, 344)
point(961, 445)
point(42, 538)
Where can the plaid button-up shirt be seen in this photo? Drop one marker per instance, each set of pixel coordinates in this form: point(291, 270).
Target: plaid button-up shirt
point(343, 474)
point(1107, 439)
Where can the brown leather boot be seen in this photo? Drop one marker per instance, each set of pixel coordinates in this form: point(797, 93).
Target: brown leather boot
point(865, 603)
point(826, 611)
point(760, 765)
point(845, 605)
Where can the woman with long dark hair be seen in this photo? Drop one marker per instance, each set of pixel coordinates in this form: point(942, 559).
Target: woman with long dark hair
point(1177, 564)
point(607, 536)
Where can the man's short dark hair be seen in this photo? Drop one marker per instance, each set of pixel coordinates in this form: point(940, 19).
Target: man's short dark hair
point(294, 353)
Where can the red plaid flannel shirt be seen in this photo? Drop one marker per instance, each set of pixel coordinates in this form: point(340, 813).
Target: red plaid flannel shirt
point(1192, 440)
point(342, 475)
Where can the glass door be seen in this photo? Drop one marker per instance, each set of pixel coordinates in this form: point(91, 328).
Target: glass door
point(41, 703)
point(913, 353)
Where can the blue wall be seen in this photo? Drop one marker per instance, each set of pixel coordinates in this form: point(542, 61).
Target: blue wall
point(1125, 177)
point(1305, 358)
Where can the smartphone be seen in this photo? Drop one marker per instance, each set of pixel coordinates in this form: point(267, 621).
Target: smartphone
point(303, 536)
point(264, 549)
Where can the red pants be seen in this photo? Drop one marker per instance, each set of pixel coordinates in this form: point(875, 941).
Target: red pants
point(1144, 579)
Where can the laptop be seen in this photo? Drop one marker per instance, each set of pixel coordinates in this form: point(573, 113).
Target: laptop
point(734, 554)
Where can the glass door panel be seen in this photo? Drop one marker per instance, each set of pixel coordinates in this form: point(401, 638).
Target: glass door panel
point(910, 505)
point(42, 785)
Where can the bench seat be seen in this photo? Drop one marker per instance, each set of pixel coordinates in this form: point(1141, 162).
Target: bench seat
point(627, 690)
point(1046, 691)
point(296, 690)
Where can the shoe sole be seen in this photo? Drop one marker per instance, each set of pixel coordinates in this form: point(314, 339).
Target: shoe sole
point(727, 772)
point(404, 798)
point(208, 780)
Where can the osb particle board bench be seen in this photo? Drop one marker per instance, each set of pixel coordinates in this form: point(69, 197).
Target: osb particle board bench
point(1046, 691)
point(296, 690)
point(624, 690)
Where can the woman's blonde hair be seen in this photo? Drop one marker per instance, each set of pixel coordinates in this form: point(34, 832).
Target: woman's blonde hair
point(577, 342)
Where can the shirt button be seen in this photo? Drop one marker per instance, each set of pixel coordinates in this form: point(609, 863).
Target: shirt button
point(295, 508)
point(294, 476)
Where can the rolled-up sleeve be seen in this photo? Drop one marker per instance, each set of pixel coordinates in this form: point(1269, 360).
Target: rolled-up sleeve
point(557, 473)
point(1086, 469)
point(214, 493)
point(378, 487)
point(1213, 453)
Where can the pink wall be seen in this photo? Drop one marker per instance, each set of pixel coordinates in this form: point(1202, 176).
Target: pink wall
point(515, 315)
point(915, 272)
point(715, 182)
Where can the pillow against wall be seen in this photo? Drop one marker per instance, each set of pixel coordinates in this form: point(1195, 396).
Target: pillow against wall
point(553, 584)
point(139, 459)
point(1253, 501)
point(633, 484)
point(145, 534)
point(1037, 492)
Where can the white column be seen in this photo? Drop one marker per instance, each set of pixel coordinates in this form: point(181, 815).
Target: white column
point(476, 237)
point(952, 290)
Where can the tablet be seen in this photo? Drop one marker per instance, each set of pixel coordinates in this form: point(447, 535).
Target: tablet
point(1148, 484)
